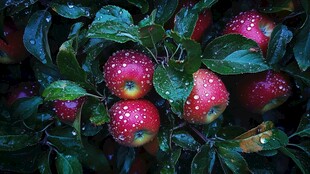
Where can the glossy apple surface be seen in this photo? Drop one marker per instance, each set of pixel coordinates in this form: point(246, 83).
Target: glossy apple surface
point(66, 110)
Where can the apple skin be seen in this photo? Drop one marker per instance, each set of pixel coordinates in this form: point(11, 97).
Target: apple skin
point(252, 25)
point(22, 90)
point(133, 122)
point(12, 48)
point(152, 147)
point(204, 20)
point(66, 110)
point(128, 74)
point(139, 166)
point(263, 91)
point(207, 100)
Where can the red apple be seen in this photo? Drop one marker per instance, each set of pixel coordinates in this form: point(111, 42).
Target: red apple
point(128, 74)
point(263, 91)
point(22, 90)
point(12, 49)
point(203, 22)
point(66, 110)
point(152, 147)
point(207, 100)
point(139, 166)
point(134, 122)
point(252, 25)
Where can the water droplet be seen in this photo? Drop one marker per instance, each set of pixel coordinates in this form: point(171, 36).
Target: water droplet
point(32, 42)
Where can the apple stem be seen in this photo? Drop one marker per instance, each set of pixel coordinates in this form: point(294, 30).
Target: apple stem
point(152, 54)
point(204, 138)
point(179, 45)
point(96, 96)
point(179, 126)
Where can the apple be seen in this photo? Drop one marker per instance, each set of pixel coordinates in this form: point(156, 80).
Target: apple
point(133, 122)
point(263, 91)
point(128, 74)
point(252, 25)
point(22, 90)
point(139, 166)
point(66, 110)
point(203, 22)
point(207, 100)
point(12, 48)
point(152, 147)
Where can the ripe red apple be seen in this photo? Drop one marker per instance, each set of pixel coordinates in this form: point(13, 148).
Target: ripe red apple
point(139, 166)
point(207, 100)
point(12, 48)
point(152, 147)
point(66, 110)
point(252, 25)
point(22, 90)
point(203, 22)
point(134, 122)
point(263, 91)
point(128, 74)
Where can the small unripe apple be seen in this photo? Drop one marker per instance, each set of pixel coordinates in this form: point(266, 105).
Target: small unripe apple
point(252, 25)
point(67, 110)
point(207, 100)
point(134, 122)
point(263, 91)
point(128, 74)
point(22, 90)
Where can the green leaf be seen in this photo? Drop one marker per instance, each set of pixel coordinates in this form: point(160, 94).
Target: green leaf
point(201, 5)
point(230, 132)
point(45, 74)
point(125, 157)
point(68, 164)
point(114, 23)
point(70, 10)
point(44, 163)
point(173, 85)
point(280, 37)
point(293, 70)
point(306, 5)
point(185, 21)
point(18, 3)
point(262, 137)
point(26, 107)
point(165, 10)
point(150, 35)
point(304, 145)
point(169, 161)
point(142, 4)
point(268, 153)
point(277, 6)
point(164, 138)
point(234, 54)
point(302, 46)
point(97, 111)
point(233, 160)
point(301, 159)
point(303, 129)
point(63, 90)
point(204, 160)
point(35, 36)
point(210, 130)
point(185, 140)
point(12, 141)
point(148, 20)
point(39, 121)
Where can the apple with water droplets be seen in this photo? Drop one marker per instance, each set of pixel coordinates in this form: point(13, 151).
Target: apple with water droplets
point(252, 25)
point(263, 91)
point(67, 110)
point(128, 74)
point(207, 100)
point(134, 122)
point(22, 90)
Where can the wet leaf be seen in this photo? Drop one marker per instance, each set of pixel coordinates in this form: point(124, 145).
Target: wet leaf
point(185, 21)
point(148, 20)
point(35, 36)
point(303, 129)
point(70, 10)
point(44, 164)
point(68, 164)
point(306, 6)
point(302, 46)
point(164, 138)
point(185, 140)
point(26, 107)
point(278, 6)
point(233, 160)
point(210, 130)
point(293, 70)
point(165, 10)
point(150, 35)
point(39, 121)
point(17, 3)
point(45, 74)
point(142, 4)
point(114, 23)
point(125, 157)
point(173, 85)
point(169, 161)
point(280, 37)
point(304, 145)
point(230, 132)
point(97, 112)
point(234, 54)
point(204, 160)
point(268, 153)
point(12, 141)
point(201, 5)
point(63, 90)
point(301, 159)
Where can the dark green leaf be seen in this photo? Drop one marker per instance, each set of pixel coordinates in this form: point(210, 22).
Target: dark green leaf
point(70, 10)
point(173, 85)
point(97, 112)
point(63, 90)
point(301, 159)
point(168, 165)
point(77, 124)
point(203, 160)
point(44, 163)
point(38, 121)
point(280, 37)
point(35, 36)
point(302, 46)
point(185, 140)
point(26, 107)
point(277, 6)
point(293, 70)
point(114, 23)
point(268, 153)
point(151, 34)
point(165, 10)
point(234, 54)
point(304, 145)
point(210, 130)
point(45, 74)
point(125, 157)
point(233, 160)
point(142, 4)
point(204, 4)
point(185, 21)
point(164, 138)
point(68, 164)
point(148, 20)
point(306, 5)
point(230, 132)
point(303, 129)
point(12, 141)
point(19, 3)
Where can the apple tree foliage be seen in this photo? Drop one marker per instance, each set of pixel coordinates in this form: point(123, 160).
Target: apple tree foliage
point(69, 41)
